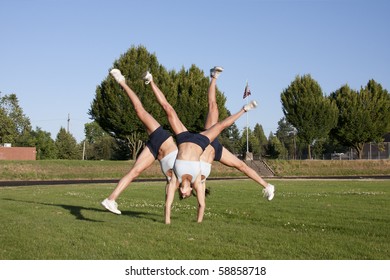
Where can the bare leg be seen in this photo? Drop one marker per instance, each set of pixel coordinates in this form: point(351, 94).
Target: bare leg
point(228, 158)
point(212, 116)
point(174, 121)
point(217, 128)
point(144, 160)
point(231, 160)
point(150, 123)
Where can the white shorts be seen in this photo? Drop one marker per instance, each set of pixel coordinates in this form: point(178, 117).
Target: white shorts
point(205, 170)
point(186, 167)
point(168, 162)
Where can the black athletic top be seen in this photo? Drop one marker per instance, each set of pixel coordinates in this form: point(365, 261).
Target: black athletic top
point(196, 138)
point(156, 139)
point(217, 148)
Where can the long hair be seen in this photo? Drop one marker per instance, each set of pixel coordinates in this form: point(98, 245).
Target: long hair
point(207, 192)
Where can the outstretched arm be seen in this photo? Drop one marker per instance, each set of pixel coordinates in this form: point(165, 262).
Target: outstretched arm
point(201, 197)
point(170, 190)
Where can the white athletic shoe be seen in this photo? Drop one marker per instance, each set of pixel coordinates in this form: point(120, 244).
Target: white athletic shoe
point(214, 72)
point(269, 192)
point(147, 77)
point(111, 206)
point(251, 105)
point(116, 73)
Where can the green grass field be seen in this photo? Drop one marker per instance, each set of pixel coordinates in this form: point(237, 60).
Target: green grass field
point(15, 170)
point(311, 220)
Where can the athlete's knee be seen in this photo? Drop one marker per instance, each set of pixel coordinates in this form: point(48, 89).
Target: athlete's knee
point(139, 110)
point(240, 165)
point(218, 127)
point(213, 107)
point(202, 205)
point(135, 172)
point(168, 108)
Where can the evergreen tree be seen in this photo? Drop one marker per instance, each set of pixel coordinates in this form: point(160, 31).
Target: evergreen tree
point(45, 145)
point(7, 128)
point(112, 108)
point(230, 139)
point(252, 141)
point(305, 107)
point(276, 150)
point(15, 125)
point(286, 133)
point(364, 115)
point(100, 145)
point(258, 132)
point(67, 145)
point(93, 132)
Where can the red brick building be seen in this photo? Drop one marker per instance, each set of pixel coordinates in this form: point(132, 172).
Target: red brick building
point(18, 153)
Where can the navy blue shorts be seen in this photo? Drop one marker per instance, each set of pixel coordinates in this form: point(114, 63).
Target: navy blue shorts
point(196, 138)
point(217, 148)
point(156, 139)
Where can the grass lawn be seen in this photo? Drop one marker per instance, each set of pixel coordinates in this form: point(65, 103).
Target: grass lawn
point(310, 220)
point(14, 170)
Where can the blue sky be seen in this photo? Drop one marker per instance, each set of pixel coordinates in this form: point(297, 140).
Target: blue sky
point(53, 54)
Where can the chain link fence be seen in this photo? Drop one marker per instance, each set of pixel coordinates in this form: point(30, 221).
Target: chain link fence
point(370, 151)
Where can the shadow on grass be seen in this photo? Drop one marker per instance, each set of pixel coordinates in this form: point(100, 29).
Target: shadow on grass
point(76, 210)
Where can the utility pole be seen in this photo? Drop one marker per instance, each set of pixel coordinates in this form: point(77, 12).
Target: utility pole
point(84, 150)
point(68, 122)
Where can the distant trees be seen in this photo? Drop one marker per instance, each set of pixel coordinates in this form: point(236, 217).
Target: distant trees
point(347, 117)
point(7, 127)
point(312, 122)
point(308, 110)
point(14, 124)
point(364, 115)
point(16, 129)
point(230, 139)
point(67, 146)
point(287, 135)
point(275, 148)
point(261, 138)
point(45, 145)
point(251, 140)
point(99, 145)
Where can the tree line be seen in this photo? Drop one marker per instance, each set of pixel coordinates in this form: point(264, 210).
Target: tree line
point(313, 123)
point(16, 129)
point(345, 119)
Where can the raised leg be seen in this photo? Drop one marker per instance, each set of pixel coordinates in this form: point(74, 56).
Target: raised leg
point(150, 123)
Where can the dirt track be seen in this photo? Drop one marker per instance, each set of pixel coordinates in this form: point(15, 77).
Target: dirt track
point(112, 181)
